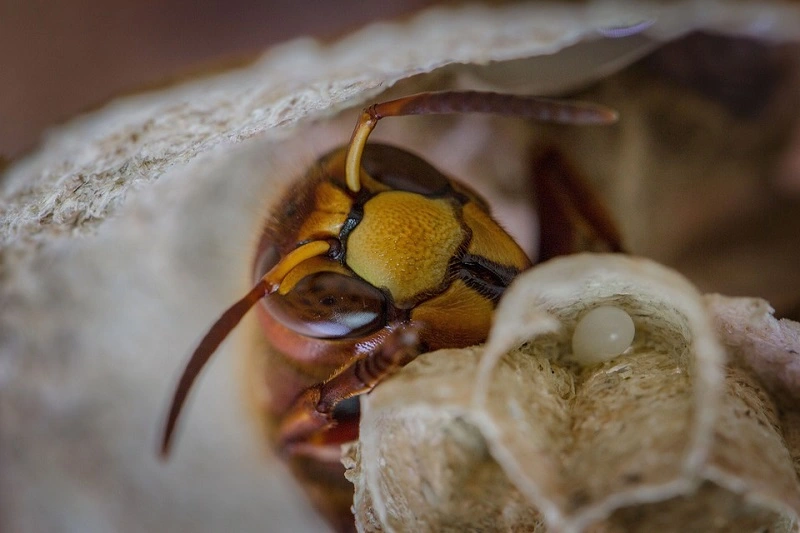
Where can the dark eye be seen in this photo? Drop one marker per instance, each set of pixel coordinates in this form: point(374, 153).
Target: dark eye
point(329, 305)
point(403, 170)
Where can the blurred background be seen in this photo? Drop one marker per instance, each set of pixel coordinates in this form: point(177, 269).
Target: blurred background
point(58, 59)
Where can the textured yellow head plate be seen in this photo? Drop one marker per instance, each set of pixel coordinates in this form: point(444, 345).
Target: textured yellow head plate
point(404, 244)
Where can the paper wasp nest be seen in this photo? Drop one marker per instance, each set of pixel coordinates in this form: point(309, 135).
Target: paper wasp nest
point(675, 434)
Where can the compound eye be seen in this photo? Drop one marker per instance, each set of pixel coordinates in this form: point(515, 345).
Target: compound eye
point(330, 305)
point(403, 171)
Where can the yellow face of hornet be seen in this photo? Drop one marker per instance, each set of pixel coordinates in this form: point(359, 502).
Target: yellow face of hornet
point(426, 243)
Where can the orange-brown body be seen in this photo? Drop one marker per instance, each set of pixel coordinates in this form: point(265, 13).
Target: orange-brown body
point(436, 255)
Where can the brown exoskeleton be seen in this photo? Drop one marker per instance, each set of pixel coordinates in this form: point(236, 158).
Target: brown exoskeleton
point(373, 257)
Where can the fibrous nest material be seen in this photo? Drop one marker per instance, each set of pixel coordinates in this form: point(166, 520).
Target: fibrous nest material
point(675, 434)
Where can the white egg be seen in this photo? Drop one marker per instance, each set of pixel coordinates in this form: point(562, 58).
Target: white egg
point(602, 334)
